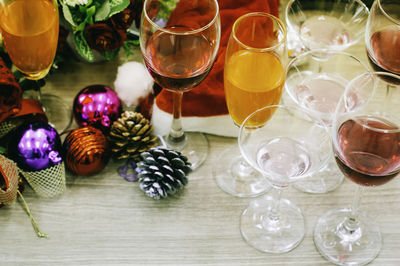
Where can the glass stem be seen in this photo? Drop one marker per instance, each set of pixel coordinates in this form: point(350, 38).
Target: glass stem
point(274, 213)
point(176, 134)
point(350, 229)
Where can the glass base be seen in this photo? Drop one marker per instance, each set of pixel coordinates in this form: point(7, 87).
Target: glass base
point(57, 111)
point(236, 177)
point(272, 236)
point(358, 248)
point(327, 179)
point(194, 147)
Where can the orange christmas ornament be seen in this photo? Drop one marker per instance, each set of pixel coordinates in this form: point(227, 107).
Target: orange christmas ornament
point(86, 151)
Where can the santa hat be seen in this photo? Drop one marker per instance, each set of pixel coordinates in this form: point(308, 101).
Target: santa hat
point(204, 108)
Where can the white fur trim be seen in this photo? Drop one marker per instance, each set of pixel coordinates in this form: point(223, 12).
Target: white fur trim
point(221, 125)
point(133, 81)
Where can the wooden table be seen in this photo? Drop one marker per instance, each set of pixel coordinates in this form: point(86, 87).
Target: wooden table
point(105, 220)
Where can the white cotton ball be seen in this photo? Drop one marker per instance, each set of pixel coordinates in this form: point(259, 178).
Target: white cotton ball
point(133, 81)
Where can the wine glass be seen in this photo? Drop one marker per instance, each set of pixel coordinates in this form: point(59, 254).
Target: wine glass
point(30, 33)
point(285, 145)
point(382, 36)
point(315, 81)
point(254, 74)
point(179, 45)
point(326, 24)
point(366, 145)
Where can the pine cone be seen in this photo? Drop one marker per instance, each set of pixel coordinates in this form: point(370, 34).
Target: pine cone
point(130, 135)
point(162, 172)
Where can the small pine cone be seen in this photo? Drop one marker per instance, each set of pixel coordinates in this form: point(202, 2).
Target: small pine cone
point(162, 172)
point(130, 135)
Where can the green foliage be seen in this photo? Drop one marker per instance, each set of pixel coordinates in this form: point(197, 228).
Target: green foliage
point(109, 54)
point(129, 47)
point(79, 16)
point(117, 6)
point(83, 47)
point(103, 11)
point(166, 8)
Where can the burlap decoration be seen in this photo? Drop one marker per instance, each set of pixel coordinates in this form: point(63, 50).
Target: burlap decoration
point(9, 171)
point(49, 182)
point(8, 125)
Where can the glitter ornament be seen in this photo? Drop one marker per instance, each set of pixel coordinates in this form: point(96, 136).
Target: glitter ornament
point(97, 106)
point(86, 151)
point(35, 146)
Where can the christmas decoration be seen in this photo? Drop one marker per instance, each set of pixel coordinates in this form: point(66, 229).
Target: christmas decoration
point(87, 151)
point(134, 84)
point(101, 26)
point(9, 125)
point(10, 93)
point(8, 181)
point(36, 148)
point(131, 135)
point(12, 185)
point(162, 172)
point(98, 106)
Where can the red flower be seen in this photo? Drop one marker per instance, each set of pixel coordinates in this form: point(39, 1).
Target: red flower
point(124, 19)
point(102, 37)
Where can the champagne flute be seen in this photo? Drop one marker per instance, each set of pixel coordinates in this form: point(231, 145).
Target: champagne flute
point(315, 81)
point(366, 146)
point(179, 45)
point(326, 24)
point(382, 36)
point(254, 75)
point(285, 145)
point(30, 33)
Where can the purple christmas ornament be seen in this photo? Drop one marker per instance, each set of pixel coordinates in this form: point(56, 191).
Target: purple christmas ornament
point(35, 146)
point(97, 106)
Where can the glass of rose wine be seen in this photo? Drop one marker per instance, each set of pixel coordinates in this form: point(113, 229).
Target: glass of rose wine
point(366, 146)
point(316, 81)
point(179, 45)
point(285, 145)
point(326, 24)
point(30, 33)
point(254, 74)
point(382, 36)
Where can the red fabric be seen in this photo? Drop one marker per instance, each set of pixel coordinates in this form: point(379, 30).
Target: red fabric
point(11, 103)
point(10, 93)
point(208, 98)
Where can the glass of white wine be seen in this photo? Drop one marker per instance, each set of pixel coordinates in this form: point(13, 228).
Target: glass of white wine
point(30, 33)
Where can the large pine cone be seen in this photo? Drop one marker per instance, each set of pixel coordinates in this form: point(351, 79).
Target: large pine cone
point(162, 172)
point(130, 135)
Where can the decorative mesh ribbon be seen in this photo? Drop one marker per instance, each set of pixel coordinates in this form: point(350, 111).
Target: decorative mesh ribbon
point(49, 182)
point(9, 171)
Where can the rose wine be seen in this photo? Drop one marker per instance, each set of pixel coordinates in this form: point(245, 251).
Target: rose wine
point(368, 150)
point(178, 61)
point(384, 50)
point(252, 80)
point(30, 33)
point(324, 30)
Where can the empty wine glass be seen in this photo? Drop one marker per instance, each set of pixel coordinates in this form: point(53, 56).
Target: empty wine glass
point(285, 146)
point(254, 74)
point(382, 36)
point(326, 24)
point(30, 32)
point(179, 44)
point(315, 81)
point(366, 146)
